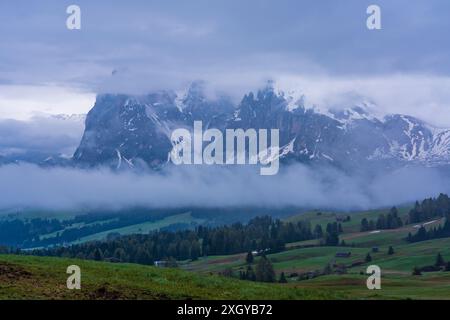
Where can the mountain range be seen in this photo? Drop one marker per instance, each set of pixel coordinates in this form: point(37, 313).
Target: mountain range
point(133, 131)
point(129, 130)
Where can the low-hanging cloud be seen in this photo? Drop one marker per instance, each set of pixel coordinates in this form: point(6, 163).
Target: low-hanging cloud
point(44, 134)
point(422, 96)
point(29, 186)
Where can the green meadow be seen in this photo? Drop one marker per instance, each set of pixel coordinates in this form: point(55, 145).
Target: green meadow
point(30, 277)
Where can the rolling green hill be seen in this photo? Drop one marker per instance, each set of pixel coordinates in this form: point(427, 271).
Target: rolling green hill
point(324, 217)
point(27, 277)
point(308, 256)
point(145, 227)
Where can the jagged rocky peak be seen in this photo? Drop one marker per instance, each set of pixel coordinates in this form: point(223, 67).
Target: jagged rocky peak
point(198, 103)
point(356, 112)
point(257, 109)
point(268, 94)
point(195, 93)
point(122, 130)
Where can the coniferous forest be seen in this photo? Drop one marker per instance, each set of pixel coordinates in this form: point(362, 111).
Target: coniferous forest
point(262, 234)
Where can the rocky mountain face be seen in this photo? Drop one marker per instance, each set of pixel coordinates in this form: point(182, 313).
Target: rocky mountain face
point(127, 131)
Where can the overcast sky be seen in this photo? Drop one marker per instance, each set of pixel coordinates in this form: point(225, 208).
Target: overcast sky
point(322, 46)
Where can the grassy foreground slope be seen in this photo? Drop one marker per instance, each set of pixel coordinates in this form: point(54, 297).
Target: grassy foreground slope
point(27, 277)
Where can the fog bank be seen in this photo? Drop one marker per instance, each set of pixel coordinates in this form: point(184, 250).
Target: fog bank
point(29, 186)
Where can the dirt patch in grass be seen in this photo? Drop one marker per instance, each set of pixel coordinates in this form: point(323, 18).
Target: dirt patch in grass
point(10, 272)
point(105, 293)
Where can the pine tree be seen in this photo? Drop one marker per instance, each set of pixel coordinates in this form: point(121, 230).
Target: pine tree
point(364, 225)
point(332, 234)
point(439, 261)
point(98, 255)
point(264, 270)
point(195, 250)
point(282, 278)
point(250, 274)
point(328, 269)
point(318, 232)
point(249, 259)
point(391, 250)
point(409, 238)
point(381, 222)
